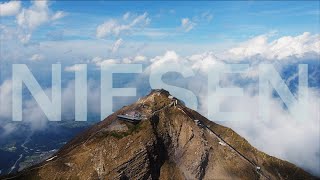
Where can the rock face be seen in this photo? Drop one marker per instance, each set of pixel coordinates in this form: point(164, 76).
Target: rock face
point(170, 142)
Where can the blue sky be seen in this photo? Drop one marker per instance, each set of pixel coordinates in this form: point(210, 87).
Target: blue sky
point(185, 27)
point(230, 21)
point(70, 32)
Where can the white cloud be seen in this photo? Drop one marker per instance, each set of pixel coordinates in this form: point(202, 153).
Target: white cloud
point(73, 68)
point(58, 15)
point(5, 96)
point(202, 62)
point(187, 24)
point(106, 62)
point(140, 58)
point(252, 47)
point(116, 45)
point(126, 16)
point(33, 114)
point(114, 27)
point(8, 128)
point(198, 62)
point(282, 135)
point(24, 37)
point(10, 8)
point(283, 48)
point(168, 57)
point(36, 57)
point(36, 15)
point(33, 16)
point(98, 61)
point(107, 28)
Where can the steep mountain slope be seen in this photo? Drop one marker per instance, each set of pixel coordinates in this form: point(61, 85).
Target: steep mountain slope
point(170, 142)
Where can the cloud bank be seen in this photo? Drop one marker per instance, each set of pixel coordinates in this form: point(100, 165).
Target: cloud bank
point(281, 135)
point(280, 49)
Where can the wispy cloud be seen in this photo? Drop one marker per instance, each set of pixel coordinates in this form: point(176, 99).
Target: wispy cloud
point(116, 45)
point(73, 68)
point(58, 15)
point(36, 57)
point(187, 24)
point(115, 27)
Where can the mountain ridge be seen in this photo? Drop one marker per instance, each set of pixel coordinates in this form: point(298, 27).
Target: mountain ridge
point(171, 142)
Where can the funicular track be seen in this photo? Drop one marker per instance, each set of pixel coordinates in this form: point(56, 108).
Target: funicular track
point(259, 171)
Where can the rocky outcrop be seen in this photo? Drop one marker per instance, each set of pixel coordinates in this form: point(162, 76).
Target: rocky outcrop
point(171, 142)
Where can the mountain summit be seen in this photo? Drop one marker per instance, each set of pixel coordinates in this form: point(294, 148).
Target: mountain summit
point(157, 137)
